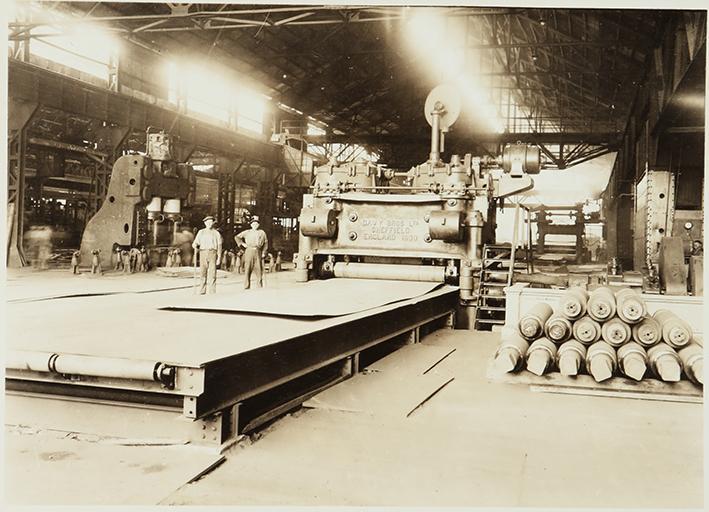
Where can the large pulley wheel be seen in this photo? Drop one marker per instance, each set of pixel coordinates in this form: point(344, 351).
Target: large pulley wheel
point(446, 99)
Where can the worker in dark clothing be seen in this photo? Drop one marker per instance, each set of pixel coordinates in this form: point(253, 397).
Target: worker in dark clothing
point(256, 243)
point(209, 243)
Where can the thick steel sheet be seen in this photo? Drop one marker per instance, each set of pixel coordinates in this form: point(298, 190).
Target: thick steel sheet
point(334, 297)
point(84, 285)
point(130, 326)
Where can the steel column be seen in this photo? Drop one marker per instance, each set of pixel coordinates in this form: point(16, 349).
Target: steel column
point(20, 114)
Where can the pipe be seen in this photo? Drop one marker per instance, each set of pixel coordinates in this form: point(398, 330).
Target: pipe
point(630, 306)
point(601, 361)
point(511, 352)
point(541, 356)
point(586, 330)
point(692, 357)
point(570, 357)
point(615, 332)
point(632, 360)
point(558, 329)
point(70, 364)
point(435, 155)
point(466, 281)
point(601, 304)
point(648, 332)
point(531, 325)
point(665, 362)
point(573, 303)
point(675, 332)
point(26, 360)
point(389, 271)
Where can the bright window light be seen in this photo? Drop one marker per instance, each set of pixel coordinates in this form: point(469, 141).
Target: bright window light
point(315, 130)
point(439, 43)
point(206, 92)
point(88, 50)
point(172, 83)
point(251, 109)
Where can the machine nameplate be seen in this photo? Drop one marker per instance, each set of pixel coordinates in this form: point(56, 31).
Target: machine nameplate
point(391, 229)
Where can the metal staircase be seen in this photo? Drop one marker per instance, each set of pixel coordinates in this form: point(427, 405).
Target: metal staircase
point(499, 261)
point(495, 275)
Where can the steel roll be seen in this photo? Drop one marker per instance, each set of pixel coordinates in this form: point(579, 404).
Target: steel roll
point(541, 356)
point(28, 360)
point(389, 271)
point(570, 357)
point(558, 329)
point(632, 360)
point(630, 306)
point(615, 332)
point(601, 361)
point(675, 332)
point(665, 362)
point(531, 325)
point(572, 303)
point(601, 304)
point(510, 354)
point(692, 357)
point(648, 332)
point(586, 330)
point(104, 367)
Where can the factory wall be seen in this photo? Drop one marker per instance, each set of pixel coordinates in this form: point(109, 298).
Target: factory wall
point(665, 129)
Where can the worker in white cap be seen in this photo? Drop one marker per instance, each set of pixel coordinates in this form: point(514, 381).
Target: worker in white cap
point(256, 243)
point(209, 244)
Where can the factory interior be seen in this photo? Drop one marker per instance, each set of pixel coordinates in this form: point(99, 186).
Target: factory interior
point(354, 255)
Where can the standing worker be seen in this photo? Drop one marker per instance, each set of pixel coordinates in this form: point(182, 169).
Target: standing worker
point(209, 243)
point(256, 243)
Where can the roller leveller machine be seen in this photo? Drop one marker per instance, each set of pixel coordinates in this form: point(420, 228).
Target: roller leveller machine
point(144, 202)
point(426, 224)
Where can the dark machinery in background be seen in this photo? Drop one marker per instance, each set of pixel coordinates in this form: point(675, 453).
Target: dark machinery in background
point(668, 242)
point(548, 222)
point(146, 197)
point(427, 224)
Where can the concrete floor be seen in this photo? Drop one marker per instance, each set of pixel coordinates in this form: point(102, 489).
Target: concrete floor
point(473, 443)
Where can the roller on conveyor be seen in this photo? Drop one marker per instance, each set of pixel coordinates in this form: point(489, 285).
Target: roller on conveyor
point(71, 364)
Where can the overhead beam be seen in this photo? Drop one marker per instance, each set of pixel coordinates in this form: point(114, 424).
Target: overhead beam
point(538, 137)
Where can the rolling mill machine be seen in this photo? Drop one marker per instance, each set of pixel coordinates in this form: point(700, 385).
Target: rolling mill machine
point(426, 224)
point(144, 203)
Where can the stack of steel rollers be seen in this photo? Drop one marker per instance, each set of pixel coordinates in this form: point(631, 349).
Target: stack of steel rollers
point(604, 333)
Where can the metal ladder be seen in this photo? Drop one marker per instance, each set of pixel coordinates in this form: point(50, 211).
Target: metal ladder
point(495, 275)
